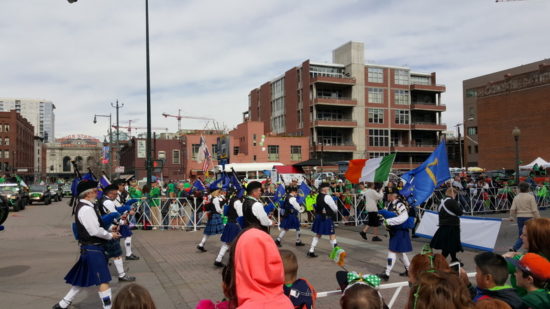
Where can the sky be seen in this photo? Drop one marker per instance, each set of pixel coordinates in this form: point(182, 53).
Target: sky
point(207, 55)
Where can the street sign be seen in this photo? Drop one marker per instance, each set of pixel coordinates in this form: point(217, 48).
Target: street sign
point(119, 169)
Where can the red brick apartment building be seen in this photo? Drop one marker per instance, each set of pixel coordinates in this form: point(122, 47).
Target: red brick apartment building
point(496, 103)
point(16, 144)
point(348, 109)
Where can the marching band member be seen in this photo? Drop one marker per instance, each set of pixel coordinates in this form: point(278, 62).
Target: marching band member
point(253, 210)
point(290, 219)
point(233, 211)
point(323, 224)
point(214, 225)
point(124, 227)
point(91, 268)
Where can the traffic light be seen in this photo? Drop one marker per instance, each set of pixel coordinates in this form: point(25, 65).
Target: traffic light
point(158, 165)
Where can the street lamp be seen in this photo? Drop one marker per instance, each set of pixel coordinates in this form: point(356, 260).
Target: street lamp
point(460, 146)
point(516, 133)
point(110, 138)
point(148, 160)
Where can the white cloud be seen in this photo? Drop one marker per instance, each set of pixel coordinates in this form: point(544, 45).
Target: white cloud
point(207, 55)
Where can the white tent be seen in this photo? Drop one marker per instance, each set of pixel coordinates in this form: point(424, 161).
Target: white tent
point(538, 161)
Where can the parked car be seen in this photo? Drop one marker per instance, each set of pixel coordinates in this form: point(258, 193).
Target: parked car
point(15, 195)
point(4, 210)
point(40, 193)
point(55, 193)
point(66, 190)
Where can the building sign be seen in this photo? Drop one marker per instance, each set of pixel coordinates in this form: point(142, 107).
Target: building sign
point(106, 155)
point(119, 169)
point(515, 82)
point(223, 148)
point(141, 149)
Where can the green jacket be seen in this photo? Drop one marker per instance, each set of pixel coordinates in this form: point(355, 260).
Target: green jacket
point(539, 299)
point(134, 193)
point(310, 202)
point(154, 195)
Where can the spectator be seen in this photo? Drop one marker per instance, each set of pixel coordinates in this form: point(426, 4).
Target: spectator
point(300, 292)
point(491, 277)
point(174, 209)
point(257, 272)
point(439, 290)
point(533, 275)
point(524, 207)
point(359, 291)
point(372, 197)
point(310, 205)
point(224, 304)
point(447, 236)
point(154, 198)
point(133, 296)
point(492, 303)
point(426, 261)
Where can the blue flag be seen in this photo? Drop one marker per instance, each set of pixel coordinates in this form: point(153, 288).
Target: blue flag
point(422, 181)
point(303, 192)
point(237, 185)
point(216, 184)
point(76, 180)
point(198, 185)
point(102, 184)
point(279, 194)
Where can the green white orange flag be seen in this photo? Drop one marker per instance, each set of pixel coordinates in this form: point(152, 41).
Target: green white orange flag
point(371, 170)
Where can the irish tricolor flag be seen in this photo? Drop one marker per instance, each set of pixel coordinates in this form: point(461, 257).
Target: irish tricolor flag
point(371, 170)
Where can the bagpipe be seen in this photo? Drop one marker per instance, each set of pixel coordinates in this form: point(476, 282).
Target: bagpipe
point(407, 225)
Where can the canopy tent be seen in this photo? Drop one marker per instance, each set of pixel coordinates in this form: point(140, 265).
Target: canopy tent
point(538, 161)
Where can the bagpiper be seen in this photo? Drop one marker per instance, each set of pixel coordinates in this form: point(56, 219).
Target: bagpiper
point(214, 225)
point(290, 220)
point(325, 213)
point(124, 227)
point(233, 211)
point(253, 210)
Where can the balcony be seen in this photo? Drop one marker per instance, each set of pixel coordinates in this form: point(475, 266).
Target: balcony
point(434, 88)
point(343, 147)
point(405, 165)
point(414, 148)
point(322, 100)
point(423, 106)
point(432, 126)
point(335, 123)
point(335, 79)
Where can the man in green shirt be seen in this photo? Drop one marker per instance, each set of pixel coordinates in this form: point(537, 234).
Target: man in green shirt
point(154, 198)
point(533, 274)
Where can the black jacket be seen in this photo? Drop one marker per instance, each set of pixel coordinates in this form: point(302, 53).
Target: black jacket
point(445, 218)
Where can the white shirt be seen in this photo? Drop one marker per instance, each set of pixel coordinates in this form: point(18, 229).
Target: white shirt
point(216, 201)
point(109, 205)
point(292, 200)
point(118, 200)
point(88, 218)
point(259, 212)
point(238, 205)
point(402, 214)
point(371, 199)
point(331, 203)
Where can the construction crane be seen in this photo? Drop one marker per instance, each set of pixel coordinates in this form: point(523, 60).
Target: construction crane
point(179, 117)
point(507, 0)
point(129, 127)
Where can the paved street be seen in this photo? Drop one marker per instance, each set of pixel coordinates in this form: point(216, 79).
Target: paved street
point(38, 249)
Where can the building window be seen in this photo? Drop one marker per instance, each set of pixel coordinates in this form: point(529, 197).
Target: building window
point(6, 154)
point(421, 80)
point(476, 149)
point(66, 164)
point(401, 116)
point(375, 75)
point(472, 131)
point(254, 158)
point(79, 163)
point(214, 153)
point(0, 155)
point(278, 106)
point(401, 77)
point(469, 149)
point(373, 155)
point(161, 155)
point(195, 151)
point(1, 127)
point(471, 93)
point(300, 119)
point(235, 150)
point(401, 97)
point(273, 152)
point(176, 156)
point(376, 115)
point(296, 153)
point(253, 139)
point(0, 141)
point(376, 95)
point(378, 138)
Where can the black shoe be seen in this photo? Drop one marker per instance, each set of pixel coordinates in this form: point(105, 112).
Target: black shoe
point(132, 257)
point(383, 276)
point(312, 254)
point(219, 264)
point(376, 238)
point(57, 306)
point(404, 274)
point(278, 243)
point(364, 235)
point(300, 244)
point(201, 248)
point(126, 278)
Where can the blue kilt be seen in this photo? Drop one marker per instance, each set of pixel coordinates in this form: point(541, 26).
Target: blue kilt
point(400, 240)
point(230, 231)
point(125, 231)
point(112, 248)
point(214, 225)
point(323, 225)
point(240, 221)
point(290, 222)
point(91, 268)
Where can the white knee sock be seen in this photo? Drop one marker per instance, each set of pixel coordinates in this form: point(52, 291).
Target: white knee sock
point(314, 242)
point(391, 262)
point(203, 241)
point(222, 252)
point(128, 244)
point(119, 267)
point(281, 235)
point(405, 261)
point(333, 242)
point(105, 297)
point(68, 299)
point(298, 236)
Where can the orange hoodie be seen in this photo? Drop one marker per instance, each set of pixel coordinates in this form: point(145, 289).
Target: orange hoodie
point(259, 272)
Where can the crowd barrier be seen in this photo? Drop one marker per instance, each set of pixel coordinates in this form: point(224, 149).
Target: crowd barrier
point(398, 286)
point(187, 213)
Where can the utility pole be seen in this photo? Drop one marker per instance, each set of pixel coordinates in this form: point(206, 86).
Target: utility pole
point(117, 106)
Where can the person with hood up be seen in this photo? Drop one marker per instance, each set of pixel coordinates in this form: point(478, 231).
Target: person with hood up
point(258, 273)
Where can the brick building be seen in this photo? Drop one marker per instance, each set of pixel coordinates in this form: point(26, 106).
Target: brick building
point(16, 144)
point(496, 103)
point(348, 109)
